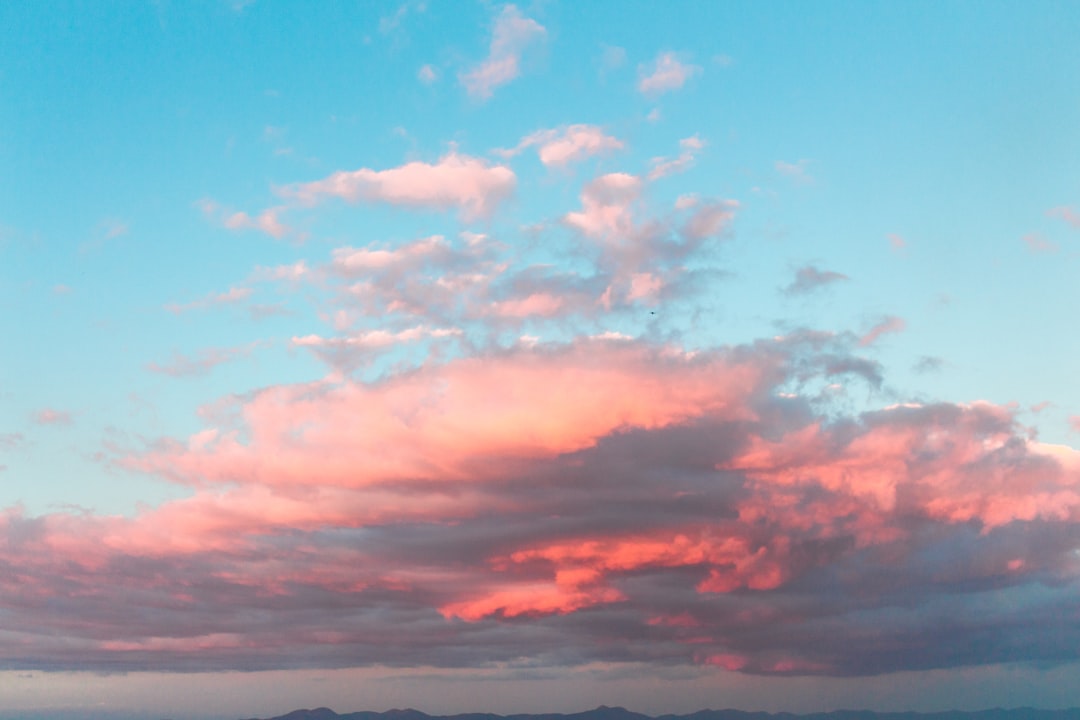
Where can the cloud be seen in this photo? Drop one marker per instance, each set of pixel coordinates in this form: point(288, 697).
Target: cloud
point(52, 416)
point(268, 221)
point(390, 23)
point(513, 33)
point(1067, 213)
point(352, 351)
point(795, 171)
point(183, 366)
point(603, 500)
point(928, 364)
point(470, 185)
point(808, 279)
point(427, 74)
point(259, 311)
point(662, 167)
point(1037, 244)
point(562, 146)
point(667, 73)
point(606, 202)
point(229, 297)
point(12, 441)
point(885, 327)
point(709, 219)
point(613, 58)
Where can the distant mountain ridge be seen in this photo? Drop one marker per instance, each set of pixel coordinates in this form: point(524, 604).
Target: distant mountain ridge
point(618, 713)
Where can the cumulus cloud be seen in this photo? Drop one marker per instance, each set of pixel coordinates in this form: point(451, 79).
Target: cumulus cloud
point(561, 146)
point(512, 35)
point(809, 278)
point(606, 206)
point(666, 73)
point(472, 186)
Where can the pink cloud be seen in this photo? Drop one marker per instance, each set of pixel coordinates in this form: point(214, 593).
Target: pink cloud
point(662, 167)
point(551, 502)
point(473, 186)
point(645, 286)
point(666, 74)
point(268, 221)
point(293, 272)
point(427, 74)
point(560, 147)
point(536, 304)
point(1037, 244)
point(52, 416)
point(606, 205)
point(353, 350)
point(512, 34)
point(363, 260)
point(229, 297)
point(1067, 213)
point(355, 423)
point(885, 327)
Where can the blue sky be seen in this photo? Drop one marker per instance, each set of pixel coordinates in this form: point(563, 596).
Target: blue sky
point(234, 233)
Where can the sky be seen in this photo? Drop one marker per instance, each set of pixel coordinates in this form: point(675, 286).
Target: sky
point(472, 356)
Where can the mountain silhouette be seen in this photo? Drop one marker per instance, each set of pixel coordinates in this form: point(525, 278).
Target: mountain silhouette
point(620, 713)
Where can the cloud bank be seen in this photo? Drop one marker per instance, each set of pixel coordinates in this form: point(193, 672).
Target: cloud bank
point(597, 500)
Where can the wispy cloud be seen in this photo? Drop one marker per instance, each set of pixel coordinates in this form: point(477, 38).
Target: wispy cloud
point(52, 416)
point(796, 171)
point(427, 74)
point(1037, 244)
point(229, 297)
point(887, 326)
point(665, 74)
point(809, 278)
point(268, 221)
point(559, 147)
point(662, 167)
point(205, 360)
point(1068, 213)
point(512, 34)
point(12, 441)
